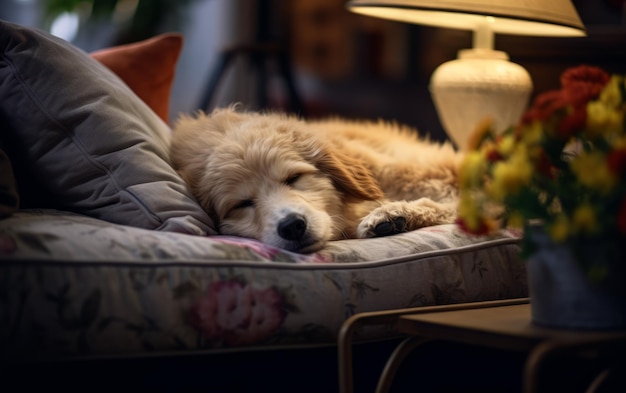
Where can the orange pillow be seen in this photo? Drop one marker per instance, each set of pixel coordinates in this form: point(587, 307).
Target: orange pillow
point(147, 67)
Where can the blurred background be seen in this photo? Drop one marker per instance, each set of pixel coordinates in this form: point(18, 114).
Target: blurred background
point(336, 62)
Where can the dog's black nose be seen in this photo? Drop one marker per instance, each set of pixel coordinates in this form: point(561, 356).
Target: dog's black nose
point(292, 227)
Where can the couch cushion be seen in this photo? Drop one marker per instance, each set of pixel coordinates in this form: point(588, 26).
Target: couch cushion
point(81, 140)
point(148, 67)
point(83, 287)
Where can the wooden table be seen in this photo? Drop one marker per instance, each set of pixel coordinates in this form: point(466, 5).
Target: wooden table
point(498, 324)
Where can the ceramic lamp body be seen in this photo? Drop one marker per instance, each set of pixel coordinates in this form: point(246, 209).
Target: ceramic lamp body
point(480, 83)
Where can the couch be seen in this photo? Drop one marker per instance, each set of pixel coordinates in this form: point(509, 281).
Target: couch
point(112, 275)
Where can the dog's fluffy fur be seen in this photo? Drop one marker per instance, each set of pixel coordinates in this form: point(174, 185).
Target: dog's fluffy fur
point(297, 184)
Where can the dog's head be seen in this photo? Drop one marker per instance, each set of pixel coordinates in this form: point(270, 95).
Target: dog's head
point(269, 177)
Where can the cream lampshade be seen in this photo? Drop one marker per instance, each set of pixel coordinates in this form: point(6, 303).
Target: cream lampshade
point(481, 82)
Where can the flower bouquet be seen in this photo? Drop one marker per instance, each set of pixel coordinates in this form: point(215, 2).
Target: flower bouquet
point(563, 167)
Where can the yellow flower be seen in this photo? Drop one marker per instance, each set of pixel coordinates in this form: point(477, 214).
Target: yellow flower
point(510, 176)
point(506, 145)
point(611, 95)
point(603, 119)
point(562, 165)
point(516, 220)
point(533, 133)
point(559, 229)
point(469, 211)
point(606, 115)
point(472, 169)
point(584, 219)
point(619, 142)
point(592, 171)
point(480, 133)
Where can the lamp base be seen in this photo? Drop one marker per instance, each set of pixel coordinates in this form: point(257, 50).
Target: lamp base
point(480, 83)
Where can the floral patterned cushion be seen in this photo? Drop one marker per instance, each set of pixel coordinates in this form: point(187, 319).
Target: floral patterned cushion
point(73, 285)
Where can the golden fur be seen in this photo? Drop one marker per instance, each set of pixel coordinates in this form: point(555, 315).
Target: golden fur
point(297, 184)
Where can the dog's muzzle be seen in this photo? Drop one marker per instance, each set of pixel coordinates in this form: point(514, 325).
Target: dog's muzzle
point(292, 227)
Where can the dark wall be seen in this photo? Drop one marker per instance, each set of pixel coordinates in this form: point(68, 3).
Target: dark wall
point(353, 76)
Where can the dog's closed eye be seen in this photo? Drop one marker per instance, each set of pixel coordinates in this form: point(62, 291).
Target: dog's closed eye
point(239, 207)
point(292, 179)
point(243, 204)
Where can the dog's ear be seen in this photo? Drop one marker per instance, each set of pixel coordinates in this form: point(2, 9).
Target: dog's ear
point(348, 174)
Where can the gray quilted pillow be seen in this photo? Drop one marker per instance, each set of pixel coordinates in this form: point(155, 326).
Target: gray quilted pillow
point(82, 141)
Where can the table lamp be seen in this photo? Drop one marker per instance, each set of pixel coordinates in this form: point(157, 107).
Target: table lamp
point(481, 82)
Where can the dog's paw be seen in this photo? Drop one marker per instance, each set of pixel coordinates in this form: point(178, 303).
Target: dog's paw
point(392, 227)
point(403, 216)
point(385, 220)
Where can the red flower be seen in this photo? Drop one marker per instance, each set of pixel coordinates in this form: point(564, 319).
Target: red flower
point(544, 166)
point(545, 105)
point(617, 161)
point(583, 83)
point(493, 155)
point(579, 85)
point(572, 123)
point(483, 227)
